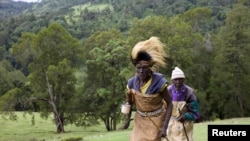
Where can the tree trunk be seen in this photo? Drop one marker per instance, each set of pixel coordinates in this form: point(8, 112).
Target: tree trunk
point(106, 121)
point(59, 118)
point(60, 123)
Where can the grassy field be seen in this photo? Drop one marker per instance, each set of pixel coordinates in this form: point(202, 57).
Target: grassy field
point(44, 130)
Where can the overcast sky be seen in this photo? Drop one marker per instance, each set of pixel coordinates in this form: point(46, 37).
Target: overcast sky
point(28, 0)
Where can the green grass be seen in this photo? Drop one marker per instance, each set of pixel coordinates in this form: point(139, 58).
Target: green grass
point(44, 130)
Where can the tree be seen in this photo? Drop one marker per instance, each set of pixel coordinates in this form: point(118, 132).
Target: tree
point(197, 17)
point(142, 29)
point(196, 52)
point(106, 61)
point(12, 96)
point(52, 56)
point(228, 93)
point(5, 81)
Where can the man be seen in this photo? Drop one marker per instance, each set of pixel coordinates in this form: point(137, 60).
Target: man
point(147, 90)
point(185, 108)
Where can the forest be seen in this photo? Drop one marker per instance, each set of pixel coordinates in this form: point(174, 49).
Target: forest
point(72, 58)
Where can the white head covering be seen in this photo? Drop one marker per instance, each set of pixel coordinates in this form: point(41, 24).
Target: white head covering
point(177, 73)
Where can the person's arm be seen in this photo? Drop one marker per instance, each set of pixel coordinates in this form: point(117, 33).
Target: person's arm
point(129, 101)
point(193, 109)
point(192, 113)
point(129, 96)
point(169, 107)
point(127, 120)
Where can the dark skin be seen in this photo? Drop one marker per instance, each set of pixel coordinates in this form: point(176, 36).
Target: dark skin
point(178, 82)
point(144, 73)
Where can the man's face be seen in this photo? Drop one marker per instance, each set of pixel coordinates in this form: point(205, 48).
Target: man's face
point(143, 70)
point(178, 82)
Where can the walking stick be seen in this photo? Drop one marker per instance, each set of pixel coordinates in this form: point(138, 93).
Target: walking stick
point(183, 126)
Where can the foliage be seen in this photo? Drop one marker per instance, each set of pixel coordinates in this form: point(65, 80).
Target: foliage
point(106, 58)
point(12, 88)
point(230, 76)
point(52, 58)
point(5, 81)
point(42, 61)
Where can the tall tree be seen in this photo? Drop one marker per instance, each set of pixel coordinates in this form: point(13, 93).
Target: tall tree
point(5, 81)
point(197, 17)
point(106, 62)
point(52, 55)
point(229, 84)
point(198, 49)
